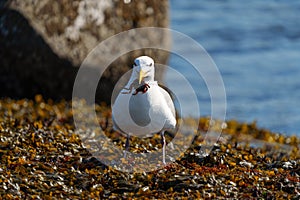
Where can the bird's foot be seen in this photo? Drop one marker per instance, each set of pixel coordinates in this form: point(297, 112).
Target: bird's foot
point(128, 90)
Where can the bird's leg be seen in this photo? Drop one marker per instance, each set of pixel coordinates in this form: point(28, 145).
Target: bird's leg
point(172, 145)
point(129, 90)
point(126, 145)
point(163, 142)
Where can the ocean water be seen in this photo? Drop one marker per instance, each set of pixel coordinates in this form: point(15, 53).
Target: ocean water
point(256, 47)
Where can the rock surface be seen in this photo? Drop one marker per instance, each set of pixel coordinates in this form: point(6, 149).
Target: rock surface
point(43, 42)
point(43, 156)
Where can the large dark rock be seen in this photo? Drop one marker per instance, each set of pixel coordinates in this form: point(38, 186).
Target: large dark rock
point(44, 42)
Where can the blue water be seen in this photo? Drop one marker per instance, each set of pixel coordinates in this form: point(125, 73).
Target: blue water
point(256, 47)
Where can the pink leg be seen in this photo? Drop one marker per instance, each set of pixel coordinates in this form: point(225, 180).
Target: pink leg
point(163, 142)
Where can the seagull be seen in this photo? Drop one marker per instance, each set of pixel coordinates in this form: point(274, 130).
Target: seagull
point(143, 108)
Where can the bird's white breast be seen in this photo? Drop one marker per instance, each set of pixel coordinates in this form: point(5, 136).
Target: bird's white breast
point(144, 113)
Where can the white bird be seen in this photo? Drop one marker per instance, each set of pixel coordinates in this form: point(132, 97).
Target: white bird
point(143, 108)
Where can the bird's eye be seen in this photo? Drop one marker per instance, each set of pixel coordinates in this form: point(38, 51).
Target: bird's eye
point(150, 64)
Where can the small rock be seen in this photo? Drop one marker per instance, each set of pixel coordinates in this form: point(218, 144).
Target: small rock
point(246, 164)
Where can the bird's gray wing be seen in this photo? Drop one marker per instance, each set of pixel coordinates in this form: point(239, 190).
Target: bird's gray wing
point(168, 100)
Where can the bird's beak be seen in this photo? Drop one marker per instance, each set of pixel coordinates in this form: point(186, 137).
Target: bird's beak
point(141, 76)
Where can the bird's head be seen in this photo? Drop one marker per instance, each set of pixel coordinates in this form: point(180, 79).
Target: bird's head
point(143, 67)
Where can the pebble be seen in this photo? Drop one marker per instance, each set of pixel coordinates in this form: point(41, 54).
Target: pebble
point(43, 158)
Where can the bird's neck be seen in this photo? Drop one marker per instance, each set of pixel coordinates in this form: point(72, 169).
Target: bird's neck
point(148, 79)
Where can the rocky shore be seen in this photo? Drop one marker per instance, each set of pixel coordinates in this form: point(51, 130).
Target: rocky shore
point(43, 158)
